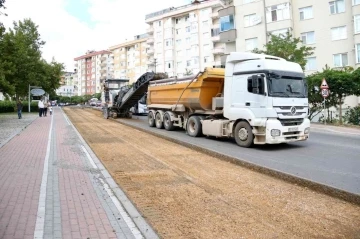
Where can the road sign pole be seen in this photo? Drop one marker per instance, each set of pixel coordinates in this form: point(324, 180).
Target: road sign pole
point(29, 99)
point(324, 111)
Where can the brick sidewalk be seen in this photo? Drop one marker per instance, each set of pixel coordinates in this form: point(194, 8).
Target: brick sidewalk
point(68, 198)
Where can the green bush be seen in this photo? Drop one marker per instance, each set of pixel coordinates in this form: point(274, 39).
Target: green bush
point(352, 115)
point(10, 106)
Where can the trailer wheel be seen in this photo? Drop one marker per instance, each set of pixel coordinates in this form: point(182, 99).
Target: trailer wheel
point(194, 127)
point(168, 124)
point(243, 134)
point(151, 119)
point(158, 122)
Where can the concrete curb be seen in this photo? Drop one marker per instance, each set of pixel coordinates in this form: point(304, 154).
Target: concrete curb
point(315, 186)
point(146, 230)
point(16, 133)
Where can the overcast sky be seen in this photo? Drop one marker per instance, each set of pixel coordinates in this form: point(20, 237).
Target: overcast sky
point(71, 27)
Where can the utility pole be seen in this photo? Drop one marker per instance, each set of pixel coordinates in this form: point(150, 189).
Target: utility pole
point(265, 21)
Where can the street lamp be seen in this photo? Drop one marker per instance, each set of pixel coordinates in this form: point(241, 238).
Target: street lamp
point(34, 87)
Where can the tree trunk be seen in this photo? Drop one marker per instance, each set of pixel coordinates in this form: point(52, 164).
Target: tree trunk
point(340, 110)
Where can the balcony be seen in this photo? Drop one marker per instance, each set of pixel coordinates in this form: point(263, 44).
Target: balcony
point(103, 70)
point(150, 52)
point(103, 58)
point(215, 15)
point(150, 63)
point(218, 51)
point(150, 30)
point(215, 25)
point(150, 41)
point(104, 63)
point(216, 38)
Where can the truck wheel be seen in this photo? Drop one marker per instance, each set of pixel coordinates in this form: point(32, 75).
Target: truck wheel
point(168, 124)
point(158, 122)
point(243, 134)
point(194, 127)
point(151, 119)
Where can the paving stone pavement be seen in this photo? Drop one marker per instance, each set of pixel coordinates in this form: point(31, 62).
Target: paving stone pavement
point(10, 124)
point(51, 188)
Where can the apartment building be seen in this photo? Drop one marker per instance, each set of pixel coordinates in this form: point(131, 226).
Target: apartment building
point(332, 27)
point(92, 68)
point(130, 58)
point(184, 39)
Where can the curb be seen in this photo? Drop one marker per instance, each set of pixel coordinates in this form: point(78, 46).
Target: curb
point(146, 230)
point(296, 180)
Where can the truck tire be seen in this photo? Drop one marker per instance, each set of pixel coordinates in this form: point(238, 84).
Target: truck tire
point(158, 122)
point(194, 127)
point(151, 119)
point(168, 124)
point(243, 134)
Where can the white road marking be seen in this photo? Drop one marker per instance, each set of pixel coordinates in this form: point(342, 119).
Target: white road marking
point(40, 217)
point(135, 231)
point(89, 157)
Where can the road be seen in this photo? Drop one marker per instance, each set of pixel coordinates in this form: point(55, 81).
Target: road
point(331, 156)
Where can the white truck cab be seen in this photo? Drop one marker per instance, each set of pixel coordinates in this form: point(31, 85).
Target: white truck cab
point(270, 94)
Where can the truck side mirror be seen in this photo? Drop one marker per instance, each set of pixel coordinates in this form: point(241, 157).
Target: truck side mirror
point(255, 81)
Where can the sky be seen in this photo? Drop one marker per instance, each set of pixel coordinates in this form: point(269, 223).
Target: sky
point(71, 27)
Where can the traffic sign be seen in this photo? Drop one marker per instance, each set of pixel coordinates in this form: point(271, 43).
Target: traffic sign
point(325, 92)
point(37, 92)
point(324, 84)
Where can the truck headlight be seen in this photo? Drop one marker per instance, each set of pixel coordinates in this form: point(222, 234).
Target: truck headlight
point(307, 130)
point(275, 132)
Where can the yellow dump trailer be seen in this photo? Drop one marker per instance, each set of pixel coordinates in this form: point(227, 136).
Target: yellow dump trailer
point(194, 92)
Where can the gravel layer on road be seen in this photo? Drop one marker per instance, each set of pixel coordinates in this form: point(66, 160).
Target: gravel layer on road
point(187, 194)
point(10, 124)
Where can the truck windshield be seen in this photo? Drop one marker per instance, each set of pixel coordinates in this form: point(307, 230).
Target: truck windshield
point(286, 86)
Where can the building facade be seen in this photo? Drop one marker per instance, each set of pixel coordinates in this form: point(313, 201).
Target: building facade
point(130, 58)
point(332, 27)
point(184, 40)
point(91, 69)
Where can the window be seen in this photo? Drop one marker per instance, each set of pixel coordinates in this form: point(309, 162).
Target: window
point(168, 42)
point(261, 83)
point(206, 59)
point(357, 24)
point(194, 38)
point(194, 26)
point(177, 21)
point(355, 2)
point(310, 64)
point(206, 49)
point(178, 64)
point(178, 31)
point(206, 35)
point(169, 64)
point(337, 6)
point(278, 12)
point(338, 33)
point(205, 24)
point(308, 37)
point(251, 44)
point(178, 42)
point(196, 60)
point(357, 53)
point(187, 40)
point(159, 23)
point(188, 52)
point(249, 20)
point(340, 60)
point(227, 23)
point(306, 13)
point(281, 32)
point(188, 63)
point(187, 29)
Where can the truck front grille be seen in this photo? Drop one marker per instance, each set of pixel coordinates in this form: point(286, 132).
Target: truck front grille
point(291, 122)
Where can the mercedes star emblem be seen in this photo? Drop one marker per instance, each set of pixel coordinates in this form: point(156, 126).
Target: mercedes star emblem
point(293, 110)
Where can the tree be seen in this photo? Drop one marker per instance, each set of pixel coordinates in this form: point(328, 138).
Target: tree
point(287, 47)
point(21, 61)
point(342, 82)
point(188, 72)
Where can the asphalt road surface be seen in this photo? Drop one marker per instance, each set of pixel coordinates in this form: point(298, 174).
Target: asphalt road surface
point(331, 156)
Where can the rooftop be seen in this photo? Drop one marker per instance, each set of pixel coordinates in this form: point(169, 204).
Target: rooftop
point(94, 53)
point(128, 43)
point(171, 9)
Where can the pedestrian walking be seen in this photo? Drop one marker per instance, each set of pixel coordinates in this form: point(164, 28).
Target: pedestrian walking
point(46, 104)
point(41, 107)
point(19, 107)
point(50, 108)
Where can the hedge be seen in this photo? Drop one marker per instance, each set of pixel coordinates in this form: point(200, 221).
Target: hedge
point(10, 106)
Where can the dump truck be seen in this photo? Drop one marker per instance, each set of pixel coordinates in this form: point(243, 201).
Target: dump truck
point(255, 99)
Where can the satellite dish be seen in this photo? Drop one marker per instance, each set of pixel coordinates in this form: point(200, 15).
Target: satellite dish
point(37, 92)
